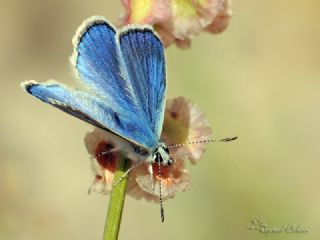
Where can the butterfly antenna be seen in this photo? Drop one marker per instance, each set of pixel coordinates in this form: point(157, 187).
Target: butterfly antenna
point(160, 195)
point(229, 139)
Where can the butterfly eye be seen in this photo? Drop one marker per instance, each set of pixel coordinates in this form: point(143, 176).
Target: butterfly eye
point(166, 149)
point(170, 162)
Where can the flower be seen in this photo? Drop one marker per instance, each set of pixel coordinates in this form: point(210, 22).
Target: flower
point(148, 11)
point(177, 21)
point(173, 178)
point(103, 159)
point(221, 22)
point(183, 122)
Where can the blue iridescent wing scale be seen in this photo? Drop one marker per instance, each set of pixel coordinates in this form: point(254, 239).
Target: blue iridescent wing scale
point(124, 82)
point(90, 109)
point(143, 55)
point(96, 61)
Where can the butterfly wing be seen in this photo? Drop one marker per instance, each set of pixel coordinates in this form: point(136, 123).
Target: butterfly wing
point(96, 61)
point(143, 55)
point(90, 109)
point(124, 99)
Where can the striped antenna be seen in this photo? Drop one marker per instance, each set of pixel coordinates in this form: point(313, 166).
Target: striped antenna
point(160, 194)
point(229, 139)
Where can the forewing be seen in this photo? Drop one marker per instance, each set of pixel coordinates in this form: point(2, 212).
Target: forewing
point(143, 57)
point(96, 61)
point(92, 110)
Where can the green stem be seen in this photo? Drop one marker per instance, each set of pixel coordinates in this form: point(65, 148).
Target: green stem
point(116, 203)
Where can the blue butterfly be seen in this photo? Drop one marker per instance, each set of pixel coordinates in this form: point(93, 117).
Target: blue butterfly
point(124, 78)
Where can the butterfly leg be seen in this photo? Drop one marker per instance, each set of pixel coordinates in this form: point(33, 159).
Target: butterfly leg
point(91, 188)
point(150, 170)
point(103, 153)
point(126, 173)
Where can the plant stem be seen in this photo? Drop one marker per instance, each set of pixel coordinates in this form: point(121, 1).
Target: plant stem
point(116, 202)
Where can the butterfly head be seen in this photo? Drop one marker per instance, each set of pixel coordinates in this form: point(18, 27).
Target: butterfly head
point(162, 155)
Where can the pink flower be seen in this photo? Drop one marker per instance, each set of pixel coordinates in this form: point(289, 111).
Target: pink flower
point(183, 122)
point(174, 179)
point(177, 21)
point(103, 162)
point(148, 12)
point(220, 23)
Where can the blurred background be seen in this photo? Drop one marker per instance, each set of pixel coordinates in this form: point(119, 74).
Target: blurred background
point(259, 80)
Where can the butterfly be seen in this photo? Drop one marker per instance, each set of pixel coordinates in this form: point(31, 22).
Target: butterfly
point(124, 78)
point(123, 75)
